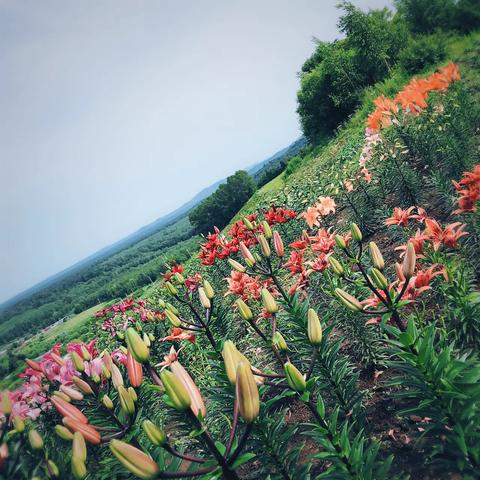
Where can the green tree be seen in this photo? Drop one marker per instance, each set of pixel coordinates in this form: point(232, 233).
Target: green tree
point(220, 207)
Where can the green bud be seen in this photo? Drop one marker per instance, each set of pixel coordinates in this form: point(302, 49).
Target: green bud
point(63, 432)
point(77, 361)
point(204, 300)
point(315, 332)
point(136, 346)
point(154, 434)
point(244, 310)
point(79, 469)
point(340, 242)
point(376, 256)
point(35, 439)
point(336, 266)
point(172, 318)
point(209, 292)
point(171, 289)
point(176, 391)
point(269, 302)
point(264, 246)
point(279, 342)
point(356, 233)
point(267, 230)
point(295, 379)
point(348, 300)
point(378, 278)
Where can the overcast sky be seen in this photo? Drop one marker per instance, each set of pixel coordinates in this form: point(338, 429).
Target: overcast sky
point(115, 112)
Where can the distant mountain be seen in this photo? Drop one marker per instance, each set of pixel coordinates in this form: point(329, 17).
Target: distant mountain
point(151, 228)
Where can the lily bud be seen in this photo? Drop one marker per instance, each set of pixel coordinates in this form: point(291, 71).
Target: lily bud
point(79, 447)
point(376, 256)
point(340, 242)
point(34, 365)
point(126, 401)
point(247, 255)
point(57, 359)
point(77, 362)
point(146, 340)
point(408, 266)
point(19, 424)
point(71, 392)
point(315, 332)
point(204, 300)
point(336, 266)
point(348, 300)
point(117, 378)
point(267, 230)
point(133, 393)
point(278, 244)
point(172, 318)
point(85, 353)
point(134, 460)
point(209, 292)
point(264, 246)
point(244, 310)
point(229, 354)
point(82, 385)
point(237, 266)
point(134, 370)
point(151, 336)
point(248, 223)
point(171, 308)
point(295, 379)
point(356, 233)
point(62, 395)
point(378, 279)
point(197, 404)
point(257, 258)
point(161, 303)
point(65, 409)
point(107, 402)
point(179, 278)
point(35, 439)
point(63, 432)
point(6, 405)
point(171, 289)
point(269, 302)
point(154, 434)
point(246, 392)
point(90, 433)
point(79, 469)
point(120, 335)
point(176, 391)
point(138, 327)
point(136, 346)
point(107, 359)
point(53, 469)
point(279, 342)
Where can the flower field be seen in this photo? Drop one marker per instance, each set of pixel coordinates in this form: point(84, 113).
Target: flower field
point(330, 331)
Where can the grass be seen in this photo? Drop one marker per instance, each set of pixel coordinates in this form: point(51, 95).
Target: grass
point(42, 342)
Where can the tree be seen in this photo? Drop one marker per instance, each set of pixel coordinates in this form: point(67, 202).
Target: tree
point(220, 207)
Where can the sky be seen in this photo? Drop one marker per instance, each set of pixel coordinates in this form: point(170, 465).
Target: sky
point(114, 113)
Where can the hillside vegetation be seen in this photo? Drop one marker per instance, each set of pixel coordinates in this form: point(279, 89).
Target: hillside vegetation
point(331, 330)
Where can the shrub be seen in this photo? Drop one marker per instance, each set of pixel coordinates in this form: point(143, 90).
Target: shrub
point(422, 52)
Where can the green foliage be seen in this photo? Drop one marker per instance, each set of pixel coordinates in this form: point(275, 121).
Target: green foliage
point(333, 78)
point(444, 386)
point(428, 16)
point(219, 208)
point(422, 52)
